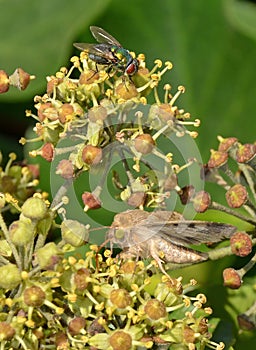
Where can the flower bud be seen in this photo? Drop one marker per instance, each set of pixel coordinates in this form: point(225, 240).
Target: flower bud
point(47, 110)
point(236, 196)
point(34, 208)
point(88, 77)
point(95, 327)
point(245, 153)
point(34, 296)
point(74, 233)
point(4, 82)
point(65, 169)
point(76, 325)
point(226, 144)
point(241, 244)
point(144, 143)
point(81, 278)
point(126, 90)
point(120, 298)
point(201, 201)
point(187, 192)
point(10, 276)
point(189, 335)
point(21, 232)
point(48, 256)
point(136, 199)
point(97, 113)
point(47, 151)
point(92, 155)
point(120, 340)
point(232, 278)
point(6, 331)
point(155, 309)
point(65, 112)
point(61, 341)
point(217, 159)
point(90, 201)
point(171, 182)
point(20, 79)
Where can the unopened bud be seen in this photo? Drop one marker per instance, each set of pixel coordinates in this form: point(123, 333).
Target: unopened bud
point(232, 278)
point(241, 244)
point(236, 196)
point(144, 143)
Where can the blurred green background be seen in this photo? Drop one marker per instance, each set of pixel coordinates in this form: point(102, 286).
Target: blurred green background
point(212, 45)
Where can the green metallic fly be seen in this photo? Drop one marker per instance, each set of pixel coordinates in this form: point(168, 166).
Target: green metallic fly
point(109, 52)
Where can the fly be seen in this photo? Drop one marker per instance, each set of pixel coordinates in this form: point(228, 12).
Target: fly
point(164, 236)
point(109, 52)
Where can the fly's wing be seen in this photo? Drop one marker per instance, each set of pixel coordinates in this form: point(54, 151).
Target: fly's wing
point(99, 50)
point(192, 232)
point(103, 37)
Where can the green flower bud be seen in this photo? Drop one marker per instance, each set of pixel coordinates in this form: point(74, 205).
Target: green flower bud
point(144, 143)
point(10, 276)
point(21, 232)
point(34, 208)
point(74, 233)
point(120, 298)
point(155, 309)
point(120, 340)
point(48, 256)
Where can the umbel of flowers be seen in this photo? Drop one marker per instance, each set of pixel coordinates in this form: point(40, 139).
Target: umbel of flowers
point(50, 297)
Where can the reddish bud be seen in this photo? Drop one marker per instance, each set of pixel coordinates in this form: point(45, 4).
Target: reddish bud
point(241, 244)
point(6, 331)
point(226, 144)
point(201, 201)
point(171, 182)
point(76, 325)
point(188, 335)
point(47, 151)
point(46, 110)
point(187, 192)
point(95, 327)
point(65, 169)
point(90, 201)
point(61, 341)
point(231, 278)
point(144, 143)
point(247, 322)
point(217, 159)
point(34, 296)
point(4, 82)
point(88, 77)
point(136, 199)
point(52, 83)
point(20, 79)
point(245, 153)
point(236, 196)
point(65, 112)
point(81, 278)
point(92, 155)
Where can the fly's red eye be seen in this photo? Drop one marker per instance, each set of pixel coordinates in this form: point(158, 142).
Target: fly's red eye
point(131, 69)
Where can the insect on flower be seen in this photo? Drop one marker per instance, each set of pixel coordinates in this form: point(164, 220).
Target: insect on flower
point(109, 52)
point(164, 236)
